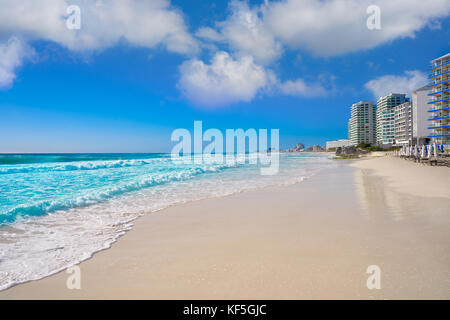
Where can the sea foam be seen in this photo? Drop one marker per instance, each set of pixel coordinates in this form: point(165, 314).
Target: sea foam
point(56, 215)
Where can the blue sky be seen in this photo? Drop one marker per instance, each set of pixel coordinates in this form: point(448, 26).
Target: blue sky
point(61, 91)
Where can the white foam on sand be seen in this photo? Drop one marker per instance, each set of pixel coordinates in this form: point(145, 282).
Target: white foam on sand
point(32, 248)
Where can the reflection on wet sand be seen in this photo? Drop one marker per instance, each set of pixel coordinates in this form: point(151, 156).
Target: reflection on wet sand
point(407, 233)
point(380, 201)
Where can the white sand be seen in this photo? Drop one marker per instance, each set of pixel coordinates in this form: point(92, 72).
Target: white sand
point(410, 177)
point(311, 240)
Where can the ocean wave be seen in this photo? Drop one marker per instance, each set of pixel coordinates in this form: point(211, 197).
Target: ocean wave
point(35, 247)
point(96, 165)
point(17, 159)
point(44, 207)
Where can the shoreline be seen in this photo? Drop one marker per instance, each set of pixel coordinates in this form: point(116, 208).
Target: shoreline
point(276, 242)
point(407, 176)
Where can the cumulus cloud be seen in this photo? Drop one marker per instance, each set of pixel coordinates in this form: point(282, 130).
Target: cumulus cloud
point(300, 88)
point(224, 81)
point(12, 54)
point(255, 36)
point(103, 23)
point(209, 34)
point(334, 27)
point(227, 80)
point(324, 28)
point(406, 83)
point(245, 33)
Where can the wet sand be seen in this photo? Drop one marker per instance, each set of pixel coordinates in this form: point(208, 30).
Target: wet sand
point(312, 240)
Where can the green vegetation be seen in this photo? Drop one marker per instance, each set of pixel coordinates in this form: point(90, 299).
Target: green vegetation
point(393, 148)
point(368, 147)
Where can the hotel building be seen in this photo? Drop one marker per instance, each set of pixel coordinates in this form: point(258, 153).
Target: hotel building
point(439, 101)
point(337, 143)
point(362, 123)
point(403, 124)
point(420, 116)
point(385, 117)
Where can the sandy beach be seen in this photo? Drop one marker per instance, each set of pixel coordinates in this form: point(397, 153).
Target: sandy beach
point(311, 240)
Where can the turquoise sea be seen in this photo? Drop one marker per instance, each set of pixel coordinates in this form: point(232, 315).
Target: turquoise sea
point(58, 209)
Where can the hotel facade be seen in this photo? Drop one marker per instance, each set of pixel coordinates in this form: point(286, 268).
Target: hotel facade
point(439, 101)
point(362, 123)
point(403, 124)
point(336, 144)
point(420, 116)
point(385, 117)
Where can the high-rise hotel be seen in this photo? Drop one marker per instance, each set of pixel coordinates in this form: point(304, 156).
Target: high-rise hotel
point(440, 101)
point(362, 124)
point(385, 121)
point(403, 124)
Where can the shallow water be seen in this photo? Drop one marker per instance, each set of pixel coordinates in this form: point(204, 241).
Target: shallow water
point(57, 210)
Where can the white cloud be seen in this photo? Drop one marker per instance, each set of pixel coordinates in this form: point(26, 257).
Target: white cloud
point(254, 35)
point(324, 28)
point(225, 81)
point(300, 88)
point(245, 33)
point(406, 83)
point(103, 23)
point(334, 27)
point(209, 34)
point(12, 54)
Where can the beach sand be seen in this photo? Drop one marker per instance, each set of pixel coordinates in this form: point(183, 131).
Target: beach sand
point(311, 240)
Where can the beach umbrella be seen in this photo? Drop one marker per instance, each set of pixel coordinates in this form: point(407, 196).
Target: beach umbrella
point(422, 153)
point(435, 148)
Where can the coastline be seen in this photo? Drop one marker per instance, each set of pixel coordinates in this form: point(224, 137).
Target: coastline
point(282, 242)
point(406, 176)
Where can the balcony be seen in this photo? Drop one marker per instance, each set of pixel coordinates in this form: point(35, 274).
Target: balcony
point(439, 135)
point(436, 84)
point(441, 90)
point(442, 72)
point(436, 101)
point(439, 127)
point(444, 63)
point(438, 118)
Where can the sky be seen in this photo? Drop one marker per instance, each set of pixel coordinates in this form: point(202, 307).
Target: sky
point(137, 70)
